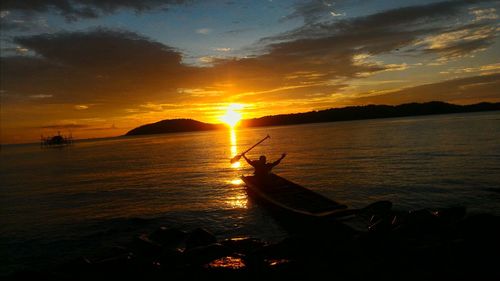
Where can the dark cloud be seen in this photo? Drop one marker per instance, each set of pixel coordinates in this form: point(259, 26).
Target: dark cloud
point(65, 126)
point(331, 48)
point(463, 90)
point(401, 19)
point(95, 66)
point(75, 9)
point(101, 49)
point(23, 24)
point(24, 76)
point(315, 11)
point(311, 11)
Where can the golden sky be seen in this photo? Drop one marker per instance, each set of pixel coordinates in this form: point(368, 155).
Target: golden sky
point(99, 69)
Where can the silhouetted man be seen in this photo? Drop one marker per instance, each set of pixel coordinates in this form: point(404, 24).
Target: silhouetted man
point(263, 169)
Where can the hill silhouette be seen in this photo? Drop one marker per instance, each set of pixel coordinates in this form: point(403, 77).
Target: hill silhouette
point(368, 112)
point(173, 126)
point(328, 115)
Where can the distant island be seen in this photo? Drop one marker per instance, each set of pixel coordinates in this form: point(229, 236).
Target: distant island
point(173, 126)
point(327, 115)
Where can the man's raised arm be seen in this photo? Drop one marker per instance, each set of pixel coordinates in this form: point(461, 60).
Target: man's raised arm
point(275, 163)
point(248, 160)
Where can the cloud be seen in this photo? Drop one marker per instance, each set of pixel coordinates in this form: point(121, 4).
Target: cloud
point(462, 90)
point(78, 9)
point(459, 42)
point(81, 107)
point(206, 59)
point(41, 96)
point(204, 31)
point(326, 48)
point(484, 69)
point(336, 14)
point(99, 49)
point(484, 14)
point(222, 49)
point(108, 67)
point(313, 10)
point(333, 48)
point(122, 68)
point(23, 23)
point(64, 126)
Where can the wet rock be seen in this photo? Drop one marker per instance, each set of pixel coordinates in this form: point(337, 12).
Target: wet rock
point(422, 216)
point(109, 253)
point(83, 265)
point(379, 208)
point(115, 261)
point(450, 215)
point(417, 245)
point(171, 258)
point(244, 245)
point(280, 269)
point(381, 225)
point(416, 223)
point(199, 237)
point(481, 226)
point(284, 249)
point(118, 267)
point(231, 267)
point(205, 254)
point(33, 275)
point(143, 246)
point(233, 262)
point(168, 237)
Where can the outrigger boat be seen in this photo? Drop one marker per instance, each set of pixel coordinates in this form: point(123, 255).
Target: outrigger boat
point(56, 141)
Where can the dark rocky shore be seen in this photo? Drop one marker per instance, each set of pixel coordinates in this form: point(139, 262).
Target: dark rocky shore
point(445, 244)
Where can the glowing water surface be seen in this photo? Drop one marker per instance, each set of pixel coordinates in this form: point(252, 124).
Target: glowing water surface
point(58, 203)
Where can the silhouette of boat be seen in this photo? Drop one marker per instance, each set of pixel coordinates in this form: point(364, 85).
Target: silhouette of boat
point(56, 141)
point(299, 209)
point(291, 198)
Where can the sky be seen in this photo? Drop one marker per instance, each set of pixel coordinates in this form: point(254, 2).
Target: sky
point(100, 68)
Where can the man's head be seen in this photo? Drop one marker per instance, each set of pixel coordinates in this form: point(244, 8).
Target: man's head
point(262, 159)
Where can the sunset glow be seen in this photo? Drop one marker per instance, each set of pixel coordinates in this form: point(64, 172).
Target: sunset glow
point(238, 138)
point(62, 67)
point(232, 117)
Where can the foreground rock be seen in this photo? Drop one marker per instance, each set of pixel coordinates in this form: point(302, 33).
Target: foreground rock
point(419, 245)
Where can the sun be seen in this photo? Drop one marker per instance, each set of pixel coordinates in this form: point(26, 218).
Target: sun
point(232, 116)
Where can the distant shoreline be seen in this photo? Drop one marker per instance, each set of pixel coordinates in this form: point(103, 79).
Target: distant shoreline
point(350, 113)
point(274, 120)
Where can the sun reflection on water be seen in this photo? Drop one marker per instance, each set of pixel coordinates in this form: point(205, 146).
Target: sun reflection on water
point(236, 182)
point(234, 148)
point(237, 198)
point(238, 201)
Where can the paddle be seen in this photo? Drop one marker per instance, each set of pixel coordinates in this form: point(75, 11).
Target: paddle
point(237, 157)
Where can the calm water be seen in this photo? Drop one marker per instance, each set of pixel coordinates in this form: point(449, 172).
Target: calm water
point(60, 203)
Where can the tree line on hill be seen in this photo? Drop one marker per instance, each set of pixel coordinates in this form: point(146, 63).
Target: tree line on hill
point(328, 115)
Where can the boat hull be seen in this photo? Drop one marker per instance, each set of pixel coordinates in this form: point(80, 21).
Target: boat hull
point(289, 197)
point(298, 208)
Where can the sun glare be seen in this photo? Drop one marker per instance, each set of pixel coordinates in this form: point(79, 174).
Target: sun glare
point(232, 116)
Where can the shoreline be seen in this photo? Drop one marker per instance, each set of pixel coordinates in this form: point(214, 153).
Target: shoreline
point(125, 136)
point(424, 244)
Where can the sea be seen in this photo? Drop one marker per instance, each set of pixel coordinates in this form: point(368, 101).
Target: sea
point(59, 204)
